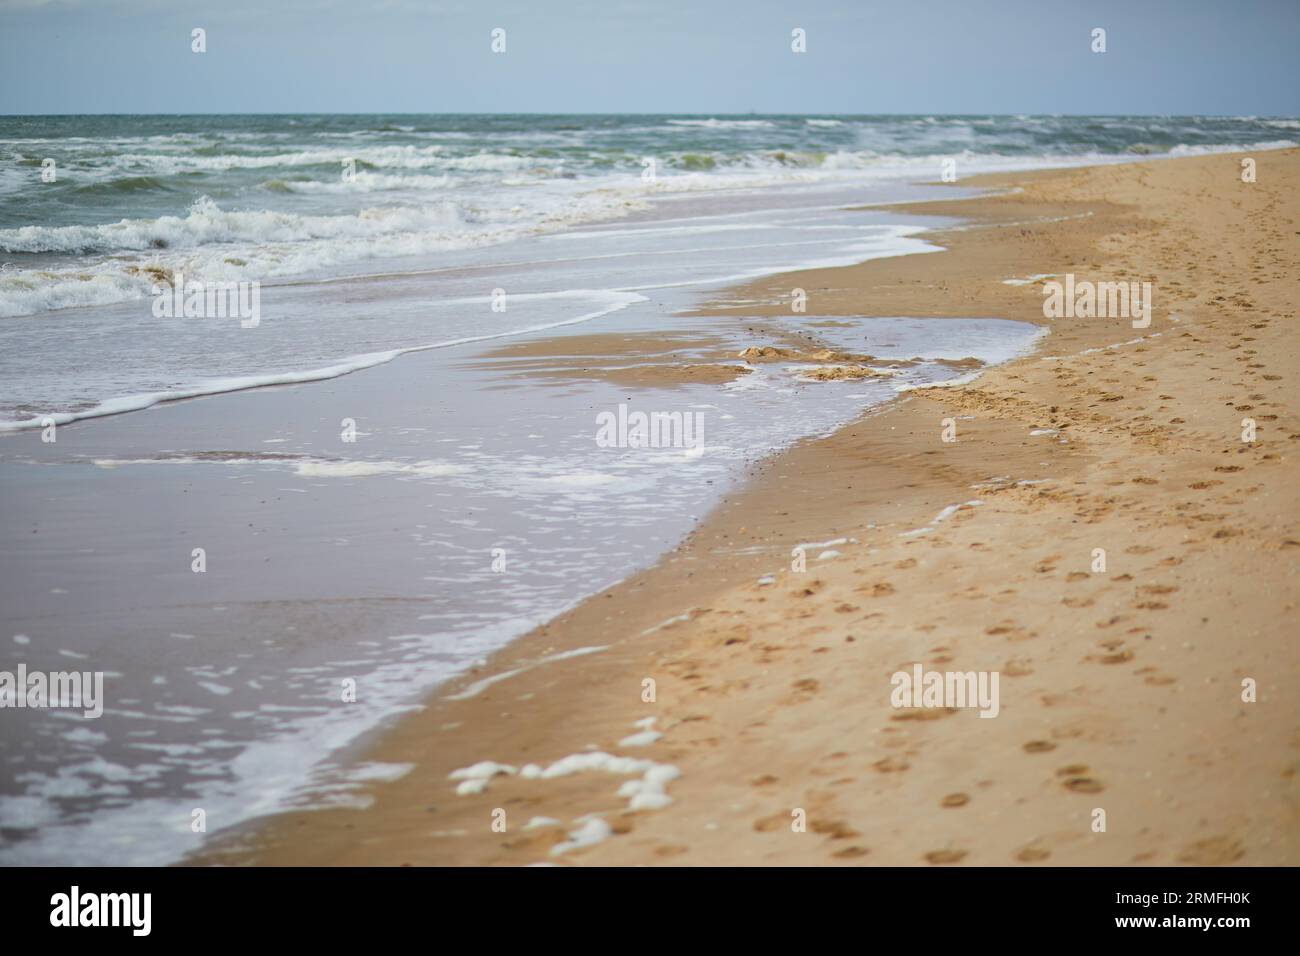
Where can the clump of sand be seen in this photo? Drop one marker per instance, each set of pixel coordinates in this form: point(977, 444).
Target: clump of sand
point(841, 373)
point(755, 354)
point(771, 353)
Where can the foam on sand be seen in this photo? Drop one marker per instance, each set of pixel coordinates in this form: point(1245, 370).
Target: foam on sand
point(476, 688)
point(647, 793)
point(647, 735)
point(593, 830)
point(475, 779)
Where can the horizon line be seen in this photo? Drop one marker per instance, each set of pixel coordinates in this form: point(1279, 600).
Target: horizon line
point(660, 113)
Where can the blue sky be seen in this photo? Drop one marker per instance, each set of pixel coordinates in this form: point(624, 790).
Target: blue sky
point(697, 56)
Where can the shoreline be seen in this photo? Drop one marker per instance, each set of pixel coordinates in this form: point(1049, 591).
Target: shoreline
point(750, 743)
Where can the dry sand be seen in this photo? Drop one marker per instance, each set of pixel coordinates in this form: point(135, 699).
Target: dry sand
point(1120, 690)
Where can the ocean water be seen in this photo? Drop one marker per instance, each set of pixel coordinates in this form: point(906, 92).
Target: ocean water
point(256, 197)
point(373, 560)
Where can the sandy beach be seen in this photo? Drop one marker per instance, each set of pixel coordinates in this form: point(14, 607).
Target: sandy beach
point(1124, 676)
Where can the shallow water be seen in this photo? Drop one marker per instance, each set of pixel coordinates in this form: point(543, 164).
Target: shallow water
point(466, 513)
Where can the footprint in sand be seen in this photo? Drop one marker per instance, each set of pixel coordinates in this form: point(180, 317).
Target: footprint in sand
point(955, 800)
point(1012, 630)
point(1155, 678)
point(945, 856)
point(1114, 657)
point(672, 850)
point(1017, 668)
point(1076, 781)
point(775, 822)
point(835, 829)
point(1039, 746)
point(891, 765)
point(1213, 851)
point(880, 589)
point(1158, 588)
point(849, 852)
point(1032, 854)
point(926, 713)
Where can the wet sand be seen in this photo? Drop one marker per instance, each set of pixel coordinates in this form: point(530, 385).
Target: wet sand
point(1121, 689)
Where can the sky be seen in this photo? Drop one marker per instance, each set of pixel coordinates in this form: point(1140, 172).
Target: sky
point(1197, 57)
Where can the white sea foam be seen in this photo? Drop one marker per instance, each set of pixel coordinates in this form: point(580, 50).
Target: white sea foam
point(476, 688)
point(364, 469)
point(614, 300)
point(206, 223)
point(210, 244)
point(723, 123)
point(1029, 280)
point(645, 736)
point(593, 830)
